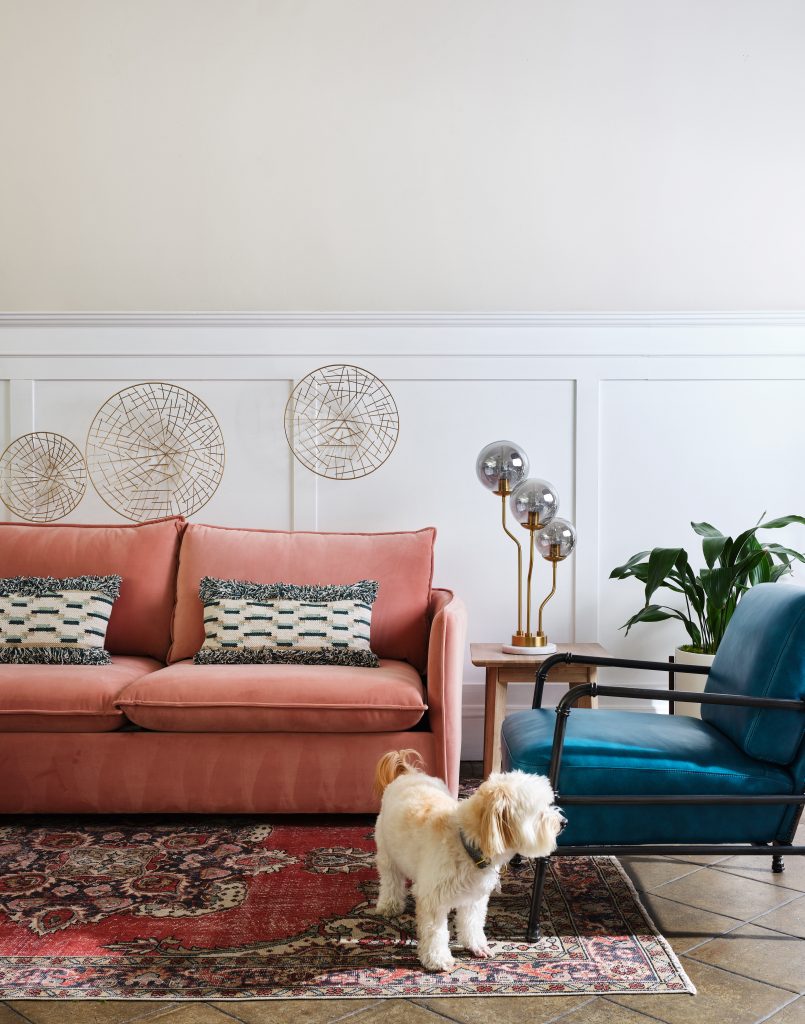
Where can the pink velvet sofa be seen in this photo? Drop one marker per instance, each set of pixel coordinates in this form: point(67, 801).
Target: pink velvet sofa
point(155, 733)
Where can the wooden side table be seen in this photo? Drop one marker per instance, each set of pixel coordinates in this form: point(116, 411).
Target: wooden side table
point(502, 669)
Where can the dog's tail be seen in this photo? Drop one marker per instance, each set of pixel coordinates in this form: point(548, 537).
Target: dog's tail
point(394, 764)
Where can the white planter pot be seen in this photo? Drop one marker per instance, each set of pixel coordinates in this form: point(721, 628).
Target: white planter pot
point(689, 681)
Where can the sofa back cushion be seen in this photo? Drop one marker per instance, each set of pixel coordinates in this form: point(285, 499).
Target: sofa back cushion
point(762, 655)
point(402, 564)
point(144, 555)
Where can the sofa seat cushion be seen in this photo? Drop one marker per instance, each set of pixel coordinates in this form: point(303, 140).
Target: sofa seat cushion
point(67, 698)
point(276, 698)
point(634, 753)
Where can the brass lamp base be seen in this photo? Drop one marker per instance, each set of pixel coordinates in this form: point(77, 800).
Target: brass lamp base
point(528, 643)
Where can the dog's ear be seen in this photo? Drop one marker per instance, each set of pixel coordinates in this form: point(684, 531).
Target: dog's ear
point(496, 824)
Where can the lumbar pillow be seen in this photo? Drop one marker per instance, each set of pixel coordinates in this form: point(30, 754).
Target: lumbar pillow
point(56, 621)
point(248, 623)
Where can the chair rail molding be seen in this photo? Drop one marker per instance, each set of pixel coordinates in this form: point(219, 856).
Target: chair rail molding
point(460, 334)
point(611, 407)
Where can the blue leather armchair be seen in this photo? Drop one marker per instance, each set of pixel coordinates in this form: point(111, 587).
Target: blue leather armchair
point(731, 782)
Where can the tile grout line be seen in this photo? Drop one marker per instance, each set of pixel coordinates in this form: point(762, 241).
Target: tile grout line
point(702, 910)
point(15, 1010)
point(749, 920)
point(565, 1013)
point(429, 1009)
point(354, 1013)
point(750, 878)
point(224, 1013)
point(783, 1007)
point(645, 1013)
point(746, 977)
point(163, 1011)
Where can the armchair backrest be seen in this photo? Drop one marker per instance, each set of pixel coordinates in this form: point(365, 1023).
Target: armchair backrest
point(762, 654)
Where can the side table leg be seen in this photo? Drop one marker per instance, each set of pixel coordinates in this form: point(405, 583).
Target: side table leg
point(494, 713)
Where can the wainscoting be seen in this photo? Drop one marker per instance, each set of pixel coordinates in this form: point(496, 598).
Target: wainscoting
point(642, 421)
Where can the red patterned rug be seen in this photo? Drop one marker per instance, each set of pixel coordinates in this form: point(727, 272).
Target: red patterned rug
point(131, 908)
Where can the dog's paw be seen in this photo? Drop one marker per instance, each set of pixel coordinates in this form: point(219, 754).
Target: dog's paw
point(438, 961)
point(481, 950)
point(389, 909)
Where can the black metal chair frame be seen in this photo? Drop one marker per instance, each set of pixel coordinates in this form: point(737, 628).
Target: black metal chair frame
point(773, 847)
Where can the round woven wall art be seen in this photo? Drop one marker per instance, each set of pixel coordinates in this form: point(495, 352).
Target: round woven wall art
point(155, 450)
point(43, 476)
point(341, 422)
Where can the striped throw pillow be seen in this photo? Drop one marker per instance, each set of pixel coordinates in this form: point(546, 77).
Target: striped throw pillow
point(56, 621)
point(249, 623)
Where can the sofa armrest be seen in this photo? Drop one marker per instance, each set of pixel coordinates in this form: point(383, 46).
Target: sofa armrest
point(448, 636)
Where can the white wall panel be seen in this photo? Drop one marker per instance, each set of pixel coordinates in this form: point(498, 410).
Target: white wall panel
point(673, 451)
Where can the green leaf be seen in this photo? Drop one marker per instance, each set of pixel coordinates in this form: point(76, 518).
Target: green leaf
point(741, 542)
point(660, 562)
point(719, 583)
point(778, 571)
point(712, 548)
point(658, 613)
point(760, 573)
point(622, 571)
point(784, 553)
point(775, 524)
point(716, 584)
point(706, 530)
point(651, 613)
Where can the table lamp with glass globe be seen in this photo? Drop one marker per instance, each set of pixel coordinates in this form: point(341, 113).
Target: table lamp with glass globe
point(502, 468)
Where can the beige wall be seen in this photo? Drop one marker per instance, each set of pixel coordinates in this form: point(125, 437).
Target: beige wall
point(402, 154)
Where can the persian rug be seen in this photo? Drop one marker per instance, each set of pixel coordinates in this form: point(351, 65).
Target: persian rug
point(189, 908)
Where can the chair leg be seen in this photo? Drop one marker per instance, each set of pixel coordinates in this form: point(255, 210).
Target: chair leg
point(533, 932)
point(777, 862)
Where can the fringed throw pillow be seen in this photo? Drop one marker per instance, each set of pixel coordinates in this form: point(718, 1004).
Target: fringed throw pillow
point(56, 621)
point(248, 623)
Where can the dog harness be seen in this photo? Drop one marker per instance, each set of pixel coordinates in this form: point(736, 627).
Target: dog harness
point(475, 855)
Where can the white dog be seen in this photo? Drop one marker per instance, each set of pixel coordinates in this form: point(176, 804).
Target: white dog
point(453, 850)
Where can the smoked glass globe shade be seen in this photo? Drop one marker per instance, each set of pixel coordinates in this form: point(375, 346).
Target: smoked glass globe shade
point(534, 502)
point(501, 461)
point(557, 540)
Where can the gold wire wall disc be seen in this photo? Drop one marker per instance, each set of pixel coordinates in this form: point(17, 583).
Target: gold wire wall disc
point(43, 476)
point(155, 450)
point(341, 422)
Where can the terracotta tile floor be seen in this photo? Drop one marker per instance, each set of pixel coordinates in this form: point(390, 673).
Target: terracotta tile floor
point(738, 929)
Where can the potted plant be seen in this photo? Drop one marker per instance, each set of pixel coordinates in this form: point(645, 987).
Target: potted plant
point(708, 597)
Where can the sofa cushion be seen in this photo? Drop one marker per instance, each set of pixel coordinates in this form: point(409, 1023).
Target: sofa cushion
point(67, 698)
point(276, 698)
point(402, 563)
point(635, 753)
point(762, 654)
point(145, 556)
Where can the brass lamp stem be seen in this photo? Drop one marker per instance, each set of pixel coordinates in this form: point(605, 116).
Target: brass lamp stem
point(532, 529)
point(504, 493)
point(554, 562)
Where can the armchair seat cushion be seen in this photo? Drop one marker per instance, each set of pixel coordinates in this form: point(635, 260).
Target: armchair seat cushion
point(67, 698)
point(277, 698)
point(634, 753)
